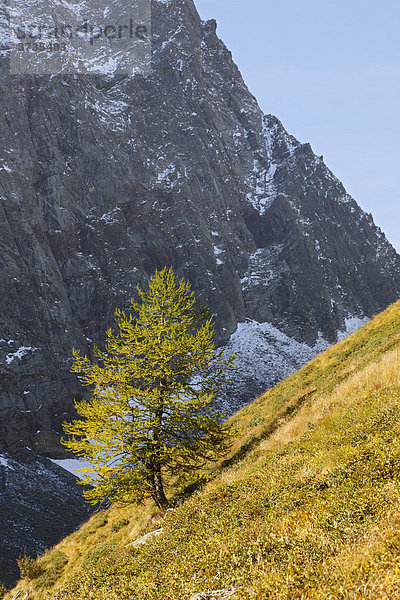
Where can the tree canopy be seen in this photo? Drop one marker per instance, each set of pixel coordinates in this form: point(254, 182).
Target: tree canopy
point(151, 413)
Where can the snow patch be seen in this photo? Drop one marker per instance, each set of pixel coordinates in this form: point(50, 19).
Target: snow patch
point(113, 216)
point(165, 176)
point(113, 113)
point(4, 462)
point(217, 253)
point(170, 40)
point(261, 181)
point(352, 323)
point(20, 353)
point(265, 355)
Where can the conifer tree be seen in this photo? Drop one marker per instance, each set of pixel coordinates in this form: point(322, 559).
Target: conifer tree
point(151, 412)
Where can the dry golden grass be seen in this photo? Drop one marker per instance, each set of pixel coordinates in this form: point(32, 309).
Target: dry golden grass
point(306, 506)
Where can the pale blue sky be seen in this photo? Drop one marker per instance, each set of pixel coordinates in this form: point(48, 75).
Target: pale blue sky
point(330, 70)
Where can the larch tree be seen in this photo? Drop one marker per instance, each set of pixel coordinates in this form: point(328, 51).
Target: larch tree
point(151, 413)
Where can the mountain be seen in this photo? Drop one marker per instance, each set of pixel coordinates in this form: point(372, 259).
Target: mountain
point(106, 177)
point(305, 506)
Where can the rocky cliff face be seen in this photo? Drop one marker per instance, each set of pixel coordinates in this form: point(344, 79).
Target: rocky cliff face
point(103, 179)
point(39, 505)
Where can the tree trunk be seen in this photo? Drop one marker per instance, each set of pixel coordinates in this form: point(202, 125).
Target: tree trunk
point(158, 493)
point(156, 476)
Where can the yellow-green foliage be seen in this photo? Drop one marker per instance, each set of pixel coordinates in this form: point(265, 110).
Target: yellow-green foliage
point(306, 507)
point(29, 568)
point(53, 571)
point(119, 525)
point(146, 417)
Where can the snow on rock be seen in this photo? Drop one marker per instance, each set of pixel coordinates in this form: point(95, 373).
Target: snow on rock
point(262, 180)
point(111, 112)
point(20, 353)
point(352, 323)
point(265, 356)
point(111, 217)
point(263, 350)
point(262, 268)
point(168, 177)
point(5, 462)
point(217, 253)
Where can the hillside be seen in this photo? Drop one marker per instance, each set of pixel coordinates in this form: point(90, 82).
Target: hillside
point(307, 506)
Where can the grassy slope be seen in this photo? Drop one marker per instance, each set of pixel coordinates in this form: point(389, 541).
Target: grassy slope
point(306, 506)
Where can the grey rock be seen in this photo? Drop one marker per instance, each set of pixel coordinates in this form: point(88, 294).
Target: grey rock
point(105, 179)
point(145, 538)
point(40, 504)
point(19, 595)
point(215, 595)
